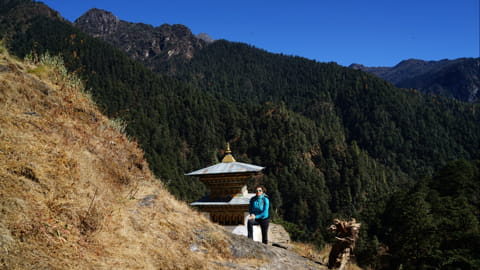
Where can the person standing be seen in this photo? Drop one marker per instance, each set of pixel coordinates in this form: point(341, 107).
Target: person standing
point(258, 213)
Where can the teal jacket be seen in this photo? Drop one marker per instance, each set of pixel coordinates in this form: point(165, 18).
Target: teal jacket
point(259, 206)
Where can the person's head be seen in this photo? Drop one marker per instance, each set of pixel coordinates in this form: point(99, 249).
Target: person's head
point(259, 190)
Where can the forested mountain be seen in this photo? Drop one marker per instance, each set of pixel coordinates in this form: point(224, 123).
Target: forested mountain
point(459, 78)
point(401, 128)
point(335, 141)
point(244, 74)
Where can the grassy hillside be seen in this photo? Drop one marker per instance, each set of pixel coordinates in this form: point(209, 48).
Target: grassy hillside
point(77, 193)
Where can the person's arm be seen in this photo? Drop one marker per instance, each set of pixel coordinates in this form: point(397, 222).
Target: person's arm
point(264, 213)
point(250, 210)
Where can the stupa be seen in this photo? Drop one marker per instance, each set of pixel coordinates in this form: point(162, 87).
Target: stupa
point(227, 202)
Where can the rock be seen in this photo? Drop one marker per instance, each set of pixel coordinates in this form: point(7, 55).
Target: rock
point(276, 258)
point(278, 235)
point(148, 200)
point(205, 37)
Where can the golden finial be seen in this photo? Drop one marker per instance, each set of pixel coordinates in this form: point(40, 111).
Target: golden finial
point(228, 151)
point(228, 155)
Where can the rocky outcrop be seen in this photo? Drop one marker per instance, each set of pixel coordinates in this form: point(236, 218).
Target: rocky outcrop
point(205, 37)
point(98, 23)
point(275, 258)
point(151, 45)
point(278, 235)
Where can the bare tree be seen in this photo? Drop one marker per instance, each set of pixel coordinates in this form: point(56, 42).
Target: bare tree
point(346, 233)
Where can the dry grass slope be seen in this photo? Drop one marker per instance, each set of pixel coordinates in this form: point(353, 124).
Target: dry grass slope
point(76, 193)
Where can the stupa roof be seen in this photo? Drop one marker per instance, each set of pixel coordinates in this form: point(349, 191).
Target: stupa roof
point(228, 165)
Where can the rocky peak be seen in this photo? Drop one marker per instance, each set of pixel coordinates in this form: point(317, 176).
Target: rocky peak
point(205, 37)
point(98, 22)
point(178, 30)
point(153, 46)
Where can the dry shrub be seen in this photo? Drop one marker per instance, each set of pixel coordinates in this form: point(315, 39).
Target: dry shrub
point(90, 221)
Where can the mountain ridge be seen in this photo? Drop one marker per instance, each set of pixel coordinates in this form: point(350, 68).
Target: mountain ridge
point(458, 78)
point(156, 47)
point(141, 41)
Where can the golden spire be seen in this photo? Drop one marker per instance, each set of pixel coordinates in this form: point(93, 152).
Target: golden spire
point(228, 155)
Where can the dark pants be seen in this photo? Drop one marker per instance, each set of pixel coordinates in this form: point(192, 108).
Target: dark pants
point(263, 225)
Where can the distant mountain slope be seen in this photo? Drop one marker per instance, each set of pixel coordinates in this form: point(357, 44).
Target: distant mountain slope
point(459, 79)
point(151, 45)
point(393, 125)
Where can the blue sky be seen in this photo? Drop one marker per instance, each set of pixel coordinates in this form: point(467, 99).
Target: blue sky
point(369, 32)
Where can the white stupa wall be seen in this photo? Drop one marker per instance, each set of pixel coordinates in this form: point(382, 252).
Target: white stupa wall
point(242, 230)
